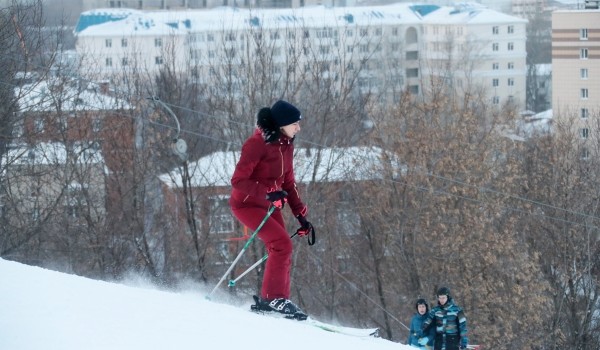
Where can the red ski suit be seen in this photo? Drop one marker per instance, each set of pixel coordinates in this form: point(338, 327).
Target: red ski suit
point(262, 168)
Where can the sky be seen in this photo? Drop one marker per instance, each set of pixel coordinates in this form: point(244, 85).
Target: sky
point(44, 309)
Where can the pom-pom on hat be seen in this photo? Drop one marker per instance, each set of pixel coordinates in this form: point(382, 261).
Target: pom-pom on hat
point(284, 113)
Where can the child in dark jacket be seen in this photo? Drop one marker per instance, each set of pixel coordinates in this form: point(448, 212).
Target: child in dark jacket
point(449, 322)
point(416, 324)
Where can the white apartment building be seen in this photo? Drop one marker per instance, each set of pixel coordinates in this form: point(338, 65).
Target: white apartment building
point(397, 46)
point(576, 69)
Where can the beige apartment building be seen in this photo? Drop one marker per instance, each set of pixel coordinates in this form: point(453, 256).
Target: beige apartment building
point(576, 68)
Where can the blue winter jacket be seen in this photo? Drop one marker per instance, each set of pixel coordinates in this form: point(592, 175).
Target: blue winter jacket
point(450, 325)
point(415, 331)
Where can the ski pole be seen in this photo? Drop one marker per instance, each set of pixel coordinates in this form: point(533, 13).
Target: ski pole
point(232, 282)
point(271, 210)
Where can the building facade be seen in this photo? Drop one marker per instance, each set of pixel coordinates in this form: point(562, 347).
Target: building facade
point(576, 69)
point(397, 47)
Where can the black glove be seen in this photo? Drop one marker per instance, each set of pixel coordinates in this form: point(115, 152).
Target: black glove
point(277, 198)
point(306, 228)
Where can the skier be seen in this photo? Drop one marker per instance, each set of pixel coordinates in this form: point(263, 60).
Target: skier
point(415, 326)
point(449, 322)
point(264, 176)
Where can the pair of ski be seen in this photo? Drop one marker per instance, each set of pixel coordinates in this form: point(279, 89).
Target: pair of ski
point(350, 331)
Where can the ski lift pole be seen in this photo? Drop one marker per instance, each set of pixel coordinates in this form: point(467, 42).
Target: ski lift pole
point(232, 282)
point(271, 210)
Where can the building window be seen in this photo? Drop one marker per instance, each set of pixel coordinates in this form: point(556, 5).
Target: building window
point(511, 29)
point(38, 125)
point(349, 32)
point(108, 62)
point(158, 42)
point(584, 93)
point(348, 222)
point(511, 46)
point(584, 133)
point(583, 72)
point(511, 82)
point(124, 61)
point(495, 46)
point(495, 66)
point(495, 30)
point(584, 113)
point(583, 54)
point(364, 32)
point(495, 82)
point(583, 34)
point(496, 100)
point(511, 65)
point(158, 60)
point(18, 129)
point(74, 200)
point(108, 42)
point(378, 32)
point(210, 37)
point(395, 31)
point(123, 42)
point(585, 154)
point(221, 220)
point(96, 125)
point(412, 73)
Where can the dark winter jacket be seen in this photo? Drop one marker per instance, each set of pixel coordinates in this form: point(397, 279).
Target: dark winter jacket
point(450, 326)
point(264, 167)
point(416, 324)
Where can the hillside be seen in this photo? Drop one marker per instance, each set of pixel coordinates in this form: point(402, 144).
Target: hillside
point(43, 309)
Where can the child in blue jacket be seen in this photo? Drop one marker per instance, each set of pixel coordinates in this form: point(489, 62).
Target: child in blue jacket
point(415, 326)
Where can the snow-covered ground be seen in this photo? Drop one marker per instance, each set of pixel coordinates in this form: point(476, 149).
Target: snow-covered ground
point(43, 309)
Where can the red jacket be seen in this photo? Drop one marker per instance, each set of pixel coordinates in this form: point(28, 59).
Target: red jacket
point(262, 168)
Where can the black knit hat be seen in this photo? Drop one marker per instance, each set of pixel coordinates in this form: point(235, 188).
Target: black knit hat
point(422, 302)
point(284, 113)
point(444, 291)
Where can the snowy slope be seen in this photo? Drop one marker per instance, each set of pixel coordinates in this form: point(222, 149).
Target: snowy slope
point(43, 309)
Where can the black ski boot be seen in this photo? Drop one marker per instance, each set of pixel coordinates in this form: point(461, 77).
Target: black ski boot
point(281, 305)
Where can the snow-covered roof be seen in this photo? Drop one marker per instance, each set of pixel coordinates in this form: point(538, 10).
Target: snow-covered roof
point(537, 124)
point(52, 153)
point(120, 22)
point(326, 165)
point(44, 96)
point(471, 13)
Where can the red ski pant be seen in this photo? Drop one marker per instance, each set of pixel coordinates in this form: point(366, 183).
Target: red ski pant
point(276, 279)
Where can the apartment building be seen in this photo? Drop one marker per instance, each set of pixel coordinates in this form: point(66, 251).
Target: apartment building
point(397, 47)
point(203, 4)
point(576, 68)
